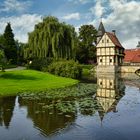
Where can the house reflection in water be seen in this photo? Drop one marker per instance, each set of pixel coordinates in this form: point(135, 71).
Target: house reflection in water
point(110, 90)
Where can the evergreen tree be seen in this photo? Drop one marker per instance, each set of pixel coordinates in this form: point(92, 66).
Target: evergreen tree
point(2, 40)
point(10, 45)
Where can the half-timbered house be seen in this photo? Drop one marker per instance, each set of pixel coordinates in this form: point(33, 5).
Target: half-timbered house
point(110, 52)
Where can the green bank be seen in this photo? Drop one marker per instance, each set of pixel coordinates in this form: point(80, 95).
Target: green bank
point(16, 82)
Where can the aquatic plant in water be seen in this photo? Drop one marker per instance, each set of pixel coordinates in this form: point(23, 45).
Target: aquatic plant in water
point(63, 100)
point(87, 106)
point(78, 90)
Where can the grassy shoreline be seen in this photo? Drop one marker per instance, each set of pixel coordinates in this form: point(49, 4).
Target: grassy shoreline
point(16, 82)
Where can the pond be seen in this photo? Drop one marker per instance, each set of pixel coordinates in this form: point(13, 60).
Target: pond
point(112, 113)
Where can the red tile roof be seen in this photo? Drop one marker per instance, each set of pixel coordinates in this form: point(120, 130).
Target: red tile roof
point(114, 39)
point(132, 55)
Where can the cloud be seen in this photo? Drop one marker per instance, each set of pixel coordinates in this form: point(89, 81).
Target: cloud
point(125, 19)
point(21, 25)
point(75, 16)
point(80, 1)
point(15, 5)
point(84, 1)
point(98, 9)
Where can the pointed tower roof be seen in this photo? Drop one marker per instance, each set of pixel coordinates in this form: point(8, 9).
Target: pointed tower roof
point(101, 29)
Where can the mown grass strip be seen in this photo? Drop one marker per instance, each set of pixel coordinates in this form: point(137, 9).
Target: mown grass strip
point(15, 82)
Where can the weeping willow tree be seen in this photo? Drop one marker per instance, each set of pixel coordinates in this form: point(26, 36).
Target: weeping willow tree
point(51, 38)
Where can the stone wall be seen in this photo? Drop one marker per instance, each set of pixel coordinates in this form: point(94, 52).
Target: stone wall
point(129, 69)
point(107, 69)
point(112, 69)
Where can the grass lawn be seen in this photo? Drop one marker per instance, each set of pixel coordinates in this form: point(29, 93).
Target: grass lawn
point(15, 82)
point(86, 70)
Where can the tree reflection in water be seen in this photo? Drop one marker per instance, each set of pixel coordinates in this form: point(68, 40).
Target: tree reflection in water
point(50, 116)
point(6, 110)
point(46, 115)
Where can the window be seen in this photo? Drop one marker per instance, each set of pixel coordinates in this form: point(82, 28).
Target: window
point(102, 41)
point(107, 41)
point(110, 83)
point(101, 60)
point(114, 59)
point(110, 60)
point(100, 83)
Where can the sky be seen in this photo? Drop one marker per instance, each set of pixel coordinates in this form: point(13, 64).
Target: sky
point(120, 15)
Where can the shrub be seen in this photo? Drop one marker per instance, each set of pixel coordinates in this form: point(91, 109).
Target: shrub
point(39, 64)
point(65, 68)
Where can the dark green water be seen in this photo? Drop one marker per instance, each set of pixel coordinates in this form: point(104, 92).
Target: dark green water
point(112, 113)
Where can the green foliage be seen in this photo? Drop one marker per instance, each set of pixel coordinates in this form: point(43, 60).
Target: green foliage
point(70, 92)
point(1, 55)
point(40, 64)
point(2, 40)
point(64, 100)
point(65, 68)
point(2, 60)
point(86, 49)
point(87, 70)
point(87, 34)
point(9, 66)
point(66, 107)
point(20, 52)
point(15, 82)
point(10, 45)
point(89, 67)
point(88, 106)
point(51, 38)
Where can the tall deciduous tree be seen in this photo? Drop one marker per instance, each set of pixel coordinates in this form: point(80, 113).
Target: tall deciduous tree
point(51, 38)
point(10, 45)
point(86, 49)
point(2, 59)
point(1, 55)
point(20, 52)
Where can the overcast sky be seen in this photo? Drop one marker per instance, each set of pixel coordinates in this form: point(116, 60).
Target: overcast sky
point(121, 15)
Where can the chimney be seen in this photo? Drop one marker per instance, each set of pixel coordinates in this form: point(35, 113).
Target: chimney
point(114, 32)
